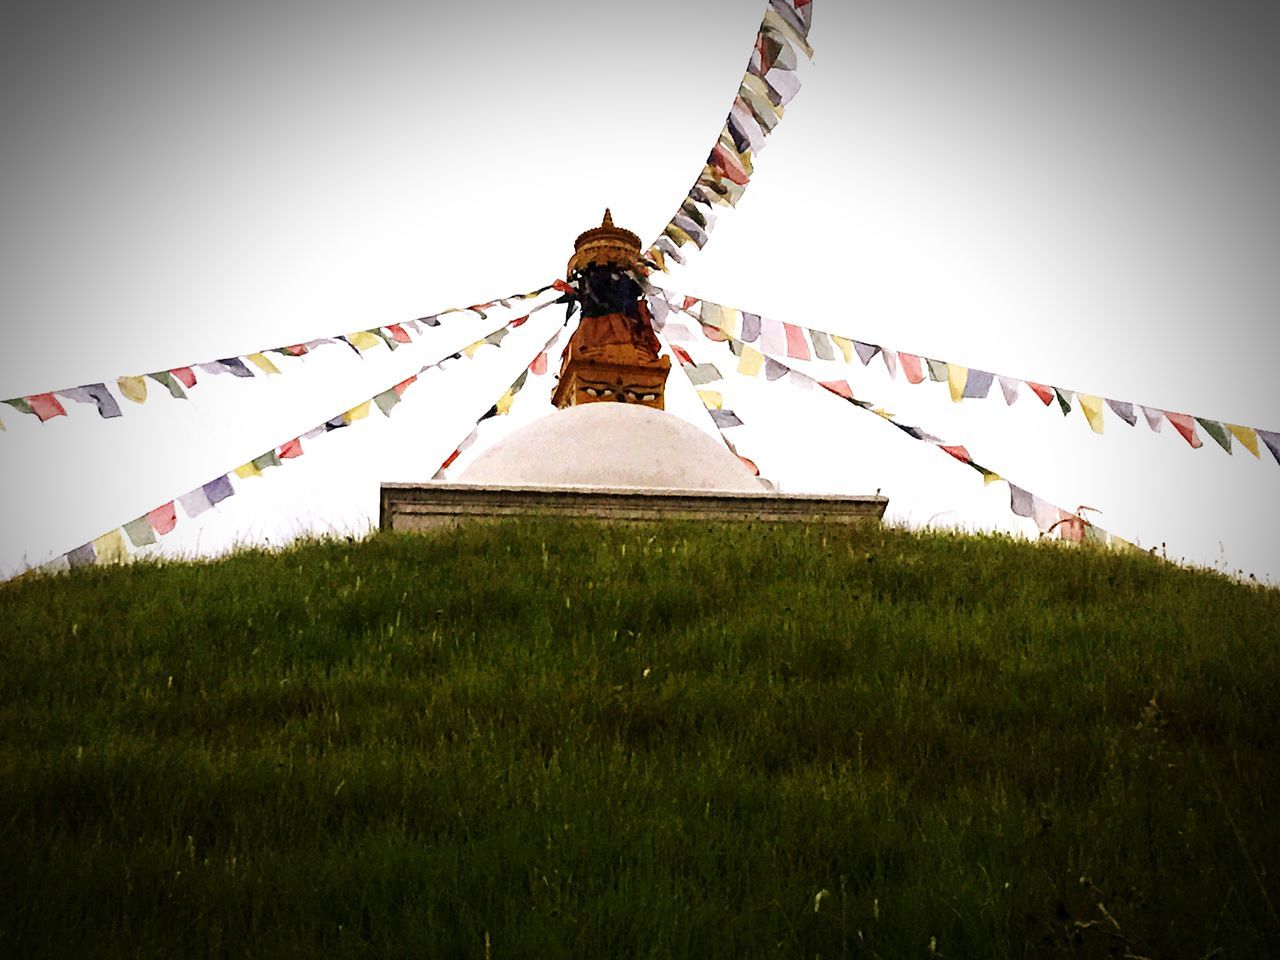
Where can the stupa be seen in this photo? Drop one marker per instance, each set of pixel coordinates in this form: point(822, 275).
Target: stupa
point(610, 451)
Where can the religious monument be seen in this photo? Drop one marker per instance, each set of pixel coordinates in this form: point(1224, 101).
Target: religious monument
point(611, 451)
point(614, 354)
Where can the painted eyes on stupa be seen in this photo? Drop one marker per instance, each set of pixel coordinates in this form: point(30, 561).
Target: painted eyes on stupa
point(629, 396)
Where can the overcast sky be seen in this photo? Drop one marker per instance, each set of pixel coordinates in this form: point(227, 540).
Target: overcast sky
point(1079, 193)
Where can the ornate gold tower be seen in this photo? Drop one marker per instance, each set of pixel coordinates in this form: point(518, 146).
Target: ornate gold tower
point(613, 355)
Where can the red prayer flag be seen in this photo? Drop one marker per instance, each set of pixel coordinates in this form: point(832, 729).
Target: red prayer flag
point(452, 457)
point(539, 365)
point(404, 385)
point(1187, 427)
point(563, 287)
point(46, 406)
point(689, 302)
point(1040, 390)
point(681, 355)
point(291, 449)
point(797, 346)
point(163, 519)
point(184, 375)
point(960, 453)
point(398, 333)
point(840, 388)
point(911, 367)
point(729, 165)
point(297, 350)
point(1070, 527)
point(519, 321)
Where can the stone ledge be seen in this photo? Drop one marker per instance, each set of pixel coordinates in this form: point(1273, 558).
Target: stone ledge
point(430, 506)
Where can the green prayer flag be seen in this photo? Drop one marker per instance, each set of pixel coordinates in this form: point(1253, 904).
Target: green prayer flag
point(170, 383)
point(1217, 431)
point(140, 532)
point(387, 401)
point(1064, 399)
point(268, 459)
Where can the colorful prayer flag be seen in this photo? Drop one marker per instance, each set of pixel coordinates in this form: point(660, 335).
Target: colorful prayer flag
point(1009, 387)
point(1216, 430)
point(219, 489)
point(291, 450)
point(139, 532)
point(170, 383)
point(865, 351)
point(977, 385)
point(1185, 426)
point(163, 518)
point(1091, 407)
point(957, 377)
point(1124, 411)
point(82, 556)
point(364, 340)
point(387, 401)
point(911, 367)
point(134, 388)
point(262, 363)
point(96, 393)
point(1041, 391)
point(796, 345)
point(750, 361)
point(110, 548)
point(1247, 436)
point(358, 412)
point(845, 345)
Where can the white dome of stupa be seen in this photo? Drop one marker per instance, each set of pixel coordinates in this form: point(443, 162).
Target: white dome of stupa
point(614, 445)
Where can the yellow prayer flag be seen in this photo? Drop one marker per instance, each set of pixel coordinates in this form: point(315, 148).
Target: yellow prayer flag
point(711, 399)
point(845, 345)
point(957, 378)
point(356, 413)
point(110, 548)
point(135, 388)
point(247, 470)
point(989, 477)
point(470, 349)
point(882, 412)
point(262, 363)
point(1246, 435)
point(658, 257)
point(679, 236)
point(504, 403)
point(1092, 409)
point(362, 340)
point(751, 362)
point(1122, 545)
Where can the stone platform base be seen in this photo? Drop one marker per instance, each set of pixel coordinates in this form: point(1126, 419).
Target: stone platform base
point(432, 506)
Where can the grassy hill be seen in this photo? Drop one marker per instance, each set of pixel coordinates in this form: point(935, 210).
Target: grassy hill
point(554, 740)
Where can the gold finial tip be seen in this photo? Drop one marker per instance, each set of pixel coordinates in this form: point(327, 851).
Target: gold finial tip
point(608, 218)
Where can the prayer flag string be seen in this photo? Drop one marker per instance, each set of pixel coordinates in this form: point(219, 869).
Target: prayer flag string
point(177, 380)
point(1049, 519)
point(780, 340)
point(143, 531)
point(502, 406)
point(767, 86)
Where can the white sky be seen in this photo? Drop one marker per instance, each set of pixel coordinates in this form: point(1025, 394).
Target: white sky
point(1079, 196)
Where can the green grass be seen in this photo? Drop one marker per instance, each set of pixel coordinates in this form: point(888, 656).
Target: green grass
point(552, 740)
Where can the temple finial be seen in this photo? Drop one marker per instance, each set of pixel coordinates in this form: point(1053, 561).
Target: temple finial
point(608, 218)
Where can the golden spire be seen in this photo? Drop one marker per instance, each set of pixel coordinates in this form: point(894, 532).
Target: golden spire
point(606, 245)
